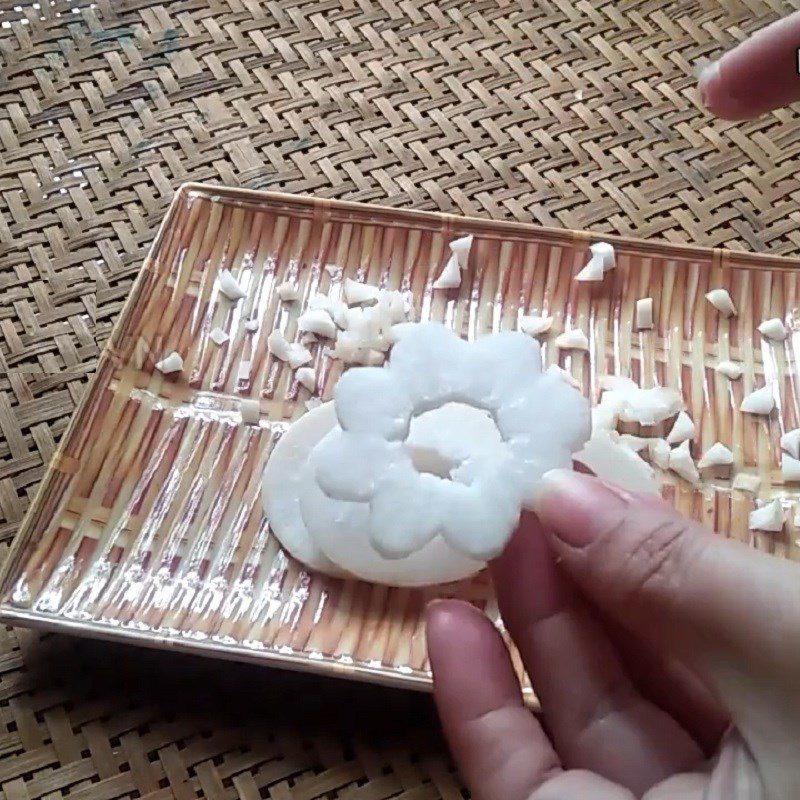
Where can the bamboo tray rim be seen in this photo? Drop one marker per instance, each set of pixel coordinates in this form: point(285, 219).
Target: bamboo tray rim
point(12, 614)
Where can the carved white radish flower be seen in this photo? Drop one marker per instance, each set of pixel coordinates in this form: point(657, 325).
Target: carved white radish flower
point(541, 420)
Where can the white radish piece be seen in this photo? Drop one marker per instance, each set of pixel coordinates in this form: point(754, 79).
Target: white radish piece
point(287, 291)
point(460, 249)
point(562, 373)
point(660, 453)
point(605, 252)
point(716, 456)
point(317, 321)
point(593, 271)
point(773, 329)
point(293, 353)
point(450, 276)
point(251, 326)
point(572, 340)
point(243, 372)
point(730, 369)
point(790, 468)
point(169, 364)
point(642, 406)
point(356, 292)
point(218, 336)
point(250, 411)
point(761, 401)
point(744, 482)
point(768, 517)
point(682, 429)
point(611, 460)
point(283, 481)
point(535, 326)
point(681, 462)
point(644, 314)
point(230, 287)
point(306, 377)
point(721, 300)
point(635, 443)
point(431, 366)
point(790, 442)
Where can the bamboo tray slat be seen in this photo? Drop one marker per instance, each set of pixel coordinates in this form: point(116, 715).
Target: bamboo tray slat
point(148, 525)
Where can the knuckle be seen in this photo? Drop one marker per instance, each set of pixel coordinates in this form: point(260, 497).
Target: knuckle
point(654, 558)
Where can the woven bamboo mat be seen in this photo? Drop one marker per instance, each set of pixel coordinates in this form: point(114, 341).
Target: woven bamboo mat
point(570, 114)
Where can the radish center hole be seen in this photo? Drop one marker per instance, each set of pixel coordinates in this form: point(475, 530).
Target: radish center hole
point(447, 438)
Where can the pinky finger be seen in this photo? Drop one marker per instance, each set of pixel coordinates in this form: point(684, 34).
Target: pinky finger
point(499, 746)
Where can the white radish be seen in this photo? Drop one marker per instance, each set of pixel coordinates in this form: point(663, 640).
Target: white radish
point(317, 321)
point(356, 292)
point(169, 364)
point(611, 460)
point(460, 249)
point(660, 453)
point(605, 253)
point(534, 325)
point(250, 411)
point(682, 429)
point(293, 353)
point(450, 276)
point(218, 336)
point(721, 300)
point(768, 517)
point(593, 271)
point(716, 456)
point(790, 442)
point(681, 462)
point(230, 287)
point(251, 326)
point(790, 468)
point(644, 313)
point(368, 460)
point(307, 377)
point(287, 291)
point(773, 329)
point(761, 401)
point(745, 482)
point(572, 340)
point(283, 480)
point(730, 369)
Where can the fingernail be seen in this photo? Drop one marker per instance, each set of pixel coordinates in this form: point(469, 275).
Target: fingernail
point(575, 506)
point(708, 83)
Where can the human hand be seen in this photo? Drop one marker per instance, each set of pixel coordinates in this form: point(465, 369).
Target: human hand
point(666, 659)
point(759, 75)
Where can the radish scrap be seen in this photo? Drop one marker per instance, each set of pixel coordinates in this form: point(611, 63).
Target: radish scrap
point(171, 363)
point(761, 401)
point(773, 329)
point(230, 287)
point(535, 326)
point(768, 517)
point(716, 456)
point(721, 300)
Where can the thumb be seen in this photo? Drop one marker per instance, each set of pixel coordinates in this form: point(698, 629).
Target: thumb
point(709, 599)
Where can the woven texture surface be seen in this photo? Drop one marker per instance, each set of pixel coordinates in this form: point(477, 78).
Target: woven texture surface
point(571, 114)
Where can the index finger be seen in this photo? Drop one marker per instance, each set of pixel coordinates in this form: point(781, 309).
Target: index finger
point(758, 75)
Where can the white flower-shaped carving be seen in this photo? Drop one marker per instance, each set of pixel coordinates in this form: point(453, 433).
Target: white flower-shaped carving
point(475, 506)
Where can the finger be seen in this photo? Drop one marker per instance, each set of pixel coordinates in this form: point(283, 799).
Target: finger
point(597, 719)
point(670, 580)
point(498, 744)
point(672, 686)
point(757, 76)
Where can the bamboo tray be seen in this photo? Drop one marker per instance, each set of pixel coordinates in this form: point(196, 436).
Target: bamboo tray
point(148, 525)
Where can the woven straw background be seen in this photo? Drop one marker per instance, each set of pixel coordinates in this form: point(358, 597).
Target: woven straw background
point(571, 114)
